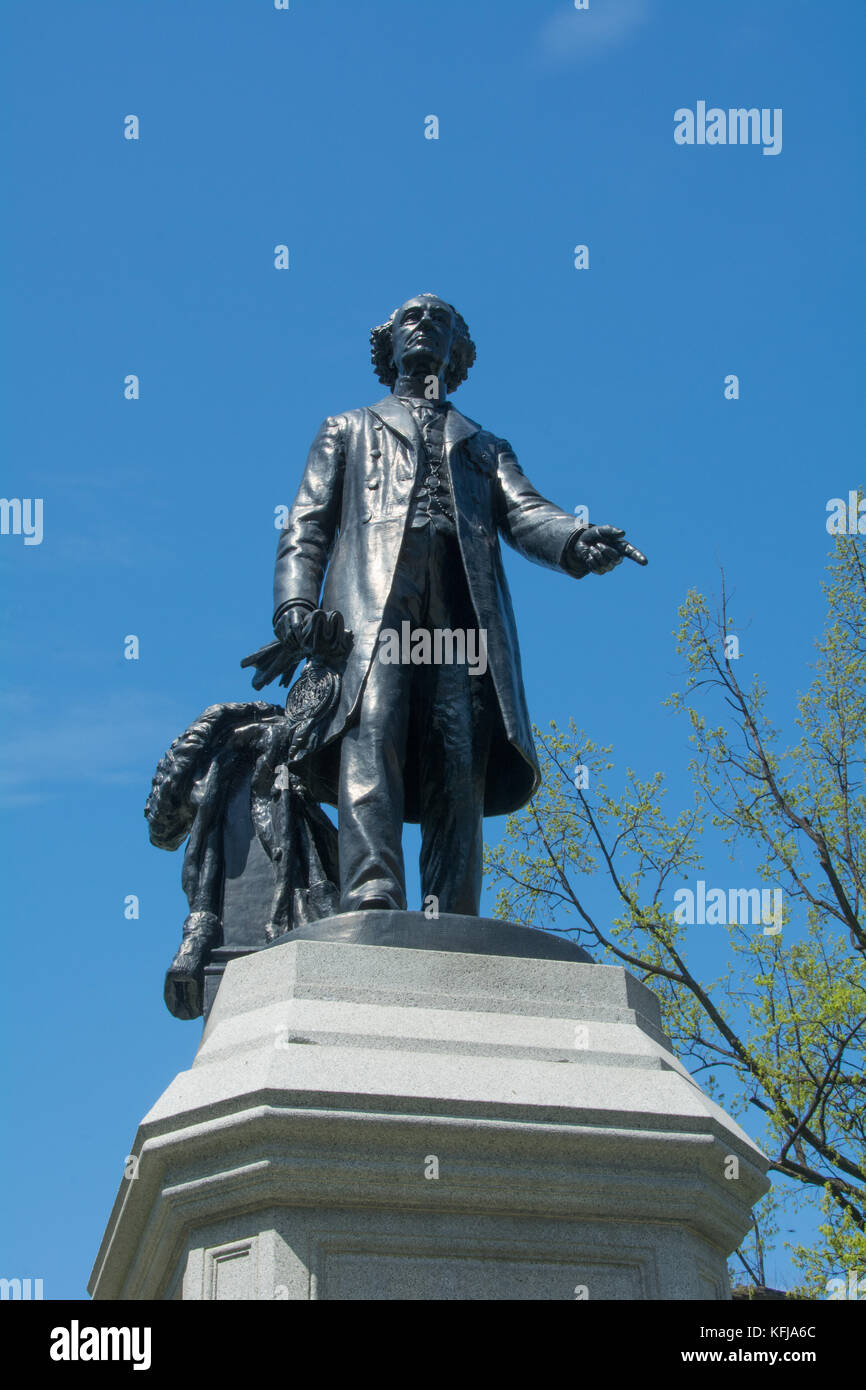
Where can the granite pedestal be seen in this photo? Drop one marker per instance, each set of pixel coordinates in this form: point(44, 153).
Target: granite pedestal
point(377, 1121)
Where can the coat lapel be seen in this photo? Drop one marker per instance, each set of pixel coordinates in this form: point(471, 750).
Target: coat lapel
point(457, 428)
point(400, 419)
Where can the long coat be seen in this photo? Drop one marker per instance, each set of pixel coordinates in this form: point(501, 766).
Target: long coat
point(352, 509)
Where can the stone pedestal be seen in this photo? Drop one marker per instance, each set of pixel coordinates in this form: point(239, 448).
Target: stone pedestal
point(381, 1122)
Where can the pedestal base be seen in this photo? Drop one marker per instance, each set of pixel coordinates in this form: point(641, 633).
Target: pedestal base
point(378, 1122)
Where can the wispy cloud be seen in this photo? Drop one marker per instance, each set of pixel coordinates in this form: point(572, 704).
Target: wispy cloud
point(574, 36)
point(53, 744)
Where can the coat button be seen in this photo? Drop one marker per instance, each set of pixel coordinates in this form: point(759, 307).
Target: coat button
point(375, 453)
point(373, 482)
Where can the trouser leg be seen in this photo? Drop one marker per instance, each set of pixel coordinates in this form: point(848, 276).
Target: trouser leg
point(454, 726)
point(440, 716)
point(373, 757)
point(371, 796)
point(452, 776)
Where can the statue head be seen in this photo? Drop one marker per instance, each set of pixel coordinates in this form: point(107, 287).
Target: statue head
point(424, 337)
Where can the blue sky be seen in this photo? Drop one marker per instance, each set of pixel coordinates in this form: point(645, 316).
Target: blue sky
point(155, 257)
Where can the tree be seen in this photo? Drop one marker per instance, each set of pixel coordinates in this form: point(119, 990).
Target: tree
point(779, 1036)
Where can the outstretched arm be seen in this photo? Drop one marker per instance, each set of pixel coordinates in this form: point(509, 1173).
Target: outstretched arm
point(546, 534)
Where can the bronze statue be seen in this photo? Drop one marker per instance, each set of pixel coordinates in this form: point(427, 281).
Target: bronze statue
point(397, 521)
point(389, 586)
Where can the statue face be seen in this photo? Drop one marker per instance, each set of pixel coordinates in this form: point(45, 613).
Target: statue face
point(422, 335)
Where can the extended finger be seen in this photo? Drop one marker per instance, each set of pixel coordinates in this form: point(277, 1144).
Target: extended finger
point(632, 553)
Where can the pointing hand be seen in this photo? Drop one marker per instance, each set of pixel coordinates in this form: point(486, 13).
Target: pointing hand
point(602, 548)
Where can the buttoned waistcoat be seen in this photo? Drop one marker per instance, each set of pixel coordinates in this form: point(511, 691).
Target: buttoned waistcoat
point(346, 528)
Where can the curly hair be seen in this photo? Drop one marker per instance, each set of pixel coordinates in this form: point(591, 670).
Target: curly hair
point(462, 350)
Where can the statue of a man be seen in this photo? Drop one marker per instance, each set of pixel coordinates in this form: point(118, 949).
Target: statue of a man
point(400, 512)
